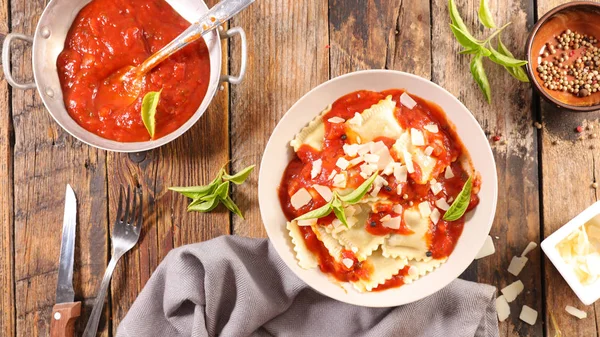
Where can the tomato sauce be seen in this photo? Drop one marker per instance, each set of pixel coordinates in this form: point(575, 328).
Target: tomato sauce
point(447, 148)
point(108, 35)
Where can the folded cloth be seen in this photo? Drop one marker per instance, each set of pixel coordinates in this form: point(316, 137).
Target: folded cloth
point(234, 286)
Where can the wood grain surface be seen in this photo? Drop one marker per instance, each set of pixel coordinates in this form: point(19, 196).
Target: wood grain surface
point(545, 175)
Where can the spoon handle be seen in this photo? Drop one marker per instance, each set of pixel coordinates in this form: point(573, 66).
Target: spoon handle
point(216, 16)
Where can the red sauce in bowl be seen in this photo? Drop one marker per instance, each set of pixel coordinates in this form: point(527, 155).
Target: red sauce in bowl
point(442, 237)
point(108, 35)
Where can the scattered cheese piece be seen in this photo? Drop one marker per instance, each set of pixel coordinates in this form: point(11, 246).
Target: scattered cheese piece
point(389, 169)
point(316, 168)
point(433, 128)
point(336, 120)
point(436, 188)
point(416, 137)
point(385, 158)
point(307, 222)
point(448, 173)
point(371, 158)
point(348, 262)
point(358, 139)
point(300, 198)
point(576, 312)
point(428, 151)
point(356, 161)
point(528, 315)
point(487, 249)
point(324, 191)
point(351, 149)
point(393, 223)
point(424, 209)
point(377, 185)
point(336, 222)
point(333, 173)
point(407, 101)
point(364, 149)
point(397, 209)
point(435, 216)
point(413, 271)
point(401, 173)
point(442, 204)
point(368, 169)
point(531, 246)
point(339, 181)
point(342, 163)
point(516, 265)
point(512, 290)
point(502, 308)
point(357, 120)
point(408, 161)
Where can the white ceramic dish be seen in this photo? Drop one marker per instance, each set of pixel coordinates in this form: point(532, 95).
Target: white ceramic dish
point(587, 294)
point(278, 153)
point(49, 39)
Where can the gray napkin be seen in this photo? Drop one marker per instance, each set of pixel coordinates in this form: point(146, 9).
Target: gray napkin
point(234, 286)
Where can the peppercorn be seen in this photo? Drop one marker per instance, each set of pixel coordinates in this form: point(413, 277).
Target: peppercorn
point(344, 137)
point(428, 253)
point(373, 224)
point(387, 189)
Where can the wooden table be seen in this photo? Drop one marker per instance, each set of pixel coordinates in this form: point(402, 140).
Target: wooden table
point(545, 175)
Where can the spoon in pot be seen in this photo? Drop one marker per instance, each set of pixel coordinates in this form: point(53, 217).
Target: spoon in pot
point(123, 87)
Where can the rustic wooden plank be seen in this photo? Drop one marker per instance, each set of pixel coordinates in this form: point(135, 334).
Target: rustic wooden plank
point(193, 159)
point(46, 158)
point(287, 56)
point(568, 162)
point(509, 115)
point(7, 296)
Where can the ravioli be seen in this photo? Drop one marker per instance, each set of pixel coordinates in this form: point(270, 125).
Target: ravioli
point(411, 246)
point(313, 134)
point(383, 270)
point(306, 259)
point(378, 121)
point(422, 268)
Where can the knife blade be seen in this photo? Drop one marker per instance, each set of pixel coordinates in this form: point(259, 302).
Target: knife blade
point(66, 310)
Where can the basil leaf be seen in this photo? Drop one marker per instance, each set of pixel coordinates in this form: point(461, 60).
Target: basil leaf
point(149, 104)
point(194, 192)
point(468, 51)
point(460, 204)
point(480, 77)
point(465, 39)
point(223, 190)
point(355, 196)
point(483, 50)
point(340, 214)
point(239, 177)
point(503, 60)
point(205, 206)
point(516, 72)
point(457, 20)
point(485, 16)
point(232, 206)
point(320, 212)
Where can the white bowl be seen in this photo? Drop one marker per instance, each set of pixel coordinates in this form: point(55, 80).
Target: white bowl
point(278, 153)
point(588, 294)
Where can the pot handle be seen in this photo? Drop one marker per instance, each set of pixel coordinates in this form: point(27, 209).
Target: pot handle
point(6, 60)
point(230, 33)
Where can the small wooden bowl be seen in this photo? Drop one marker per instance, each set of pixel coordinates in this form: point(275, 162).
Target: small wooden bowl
point(581, 16)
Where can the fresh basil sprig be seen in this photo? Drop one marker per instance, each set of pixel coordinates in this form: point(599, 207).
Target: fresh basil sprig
point(337, 202)
point(207, 197)
point(149, 104)
point(460, 204)
point(481, 49)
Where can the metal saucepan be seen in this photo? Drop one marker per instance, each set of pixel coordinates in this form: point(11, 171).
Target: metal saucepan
point(48, 42)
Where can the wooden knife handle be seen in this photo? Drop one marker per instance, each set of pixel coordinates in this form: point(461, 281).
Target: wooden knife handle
point(63, 319)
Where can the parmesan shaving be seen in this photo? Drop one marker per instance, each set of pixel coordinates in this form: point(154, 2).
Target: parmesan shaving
point(581, 251)
point(428, 151)
point(342, 163)
point(324, 191)
point(407, 101)
point(336, 120)
point(316, 168)
point(576, 312)
point(528, 315)
point(442, 204)
point(307, 222)
point(487, 249)
point(531, 246)
point(301, 198)
point(424, 209)
point(416, 137)
point(502, 308)
point(435, 216)
point(513, 290)
point(516, 265)
point(339, 181)
point(448, 173)
point(333, 173)
point(357, 120)
point(433, 128)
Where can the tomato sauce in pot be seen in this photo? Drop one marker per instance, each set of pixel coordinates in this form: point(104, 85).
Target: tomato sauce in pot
point(447, 148)
point(108, 35)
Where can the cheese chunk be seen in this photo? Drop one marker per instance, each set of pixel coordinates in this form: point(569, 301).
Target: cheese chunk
point(581, 251)
point(416, 137)
point(316, 168)
point(401, 173)
point(448, 174)
point(487, 249)
point(435, 216)
point(516, 265)
point(301, 198)
point(407, 101)
point(502, 308)
point(531, 246)
point(528, 315)
point(433, 128)
point(424, 209)
point(442, 204)
point(339, 180)
point(342, 163)
point(393, 223)
point(324, 191)
point(357, 120)
point(336, 120)
point(307, 222)
point(576, 312)
point(512, 290)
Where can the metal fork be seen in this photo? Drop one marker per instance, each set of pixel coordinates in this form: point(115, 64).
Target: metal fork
point(126, 233)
